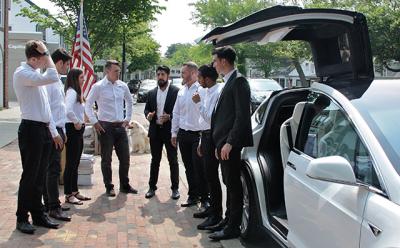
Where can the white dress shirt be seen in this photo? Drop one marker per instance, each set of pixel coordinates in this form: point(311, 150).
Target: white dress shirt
point(31, 92)
point(207, 104)
point(110, 101)
point(186, 114)
point(75, 109)
point(56, 96)
point(161, 97)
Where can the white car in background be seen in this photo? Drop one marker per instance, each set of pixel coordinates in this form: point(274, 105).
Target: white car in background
point(324, 168)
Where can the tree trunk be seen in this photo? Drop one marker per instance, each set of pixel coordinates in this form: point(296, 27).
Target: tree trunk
point(300, 71)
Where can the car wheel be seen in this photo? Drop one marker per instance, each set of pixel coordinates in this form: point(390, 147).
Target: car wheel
point(250, 226)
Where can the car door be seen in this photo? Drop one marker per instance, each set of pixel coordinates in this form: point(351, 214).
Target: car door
point(320, 213)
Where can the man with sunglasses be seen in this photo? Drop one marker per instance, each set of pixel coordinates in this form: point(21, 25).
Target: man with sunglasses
point(34, 138)
point(158, 111)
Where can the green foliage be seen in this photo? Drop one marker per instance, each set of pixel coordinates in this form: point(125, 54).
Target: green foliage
point(181, 53)
point(107, 21)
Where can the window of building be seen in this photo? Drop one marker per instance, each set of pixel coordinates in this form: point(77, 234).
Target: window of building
point(42, 30)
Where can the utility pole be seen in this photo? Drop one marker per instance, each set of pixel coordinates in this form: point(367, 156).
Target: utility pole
point(5, 53)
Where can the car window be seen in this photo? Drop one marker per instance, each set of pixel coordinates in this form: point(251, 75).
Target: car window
point(326, 131)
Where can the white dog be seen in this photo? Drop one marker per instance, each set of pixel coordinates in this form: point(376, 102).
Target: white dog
point(139, 142)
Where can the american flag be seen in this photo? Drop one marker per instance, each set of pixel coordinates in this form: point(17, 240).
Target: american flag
point(82, 57)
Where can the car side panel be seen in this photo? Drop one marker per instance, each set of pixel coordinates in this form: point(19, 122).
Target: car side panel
point(321, 214)
point(380, 214)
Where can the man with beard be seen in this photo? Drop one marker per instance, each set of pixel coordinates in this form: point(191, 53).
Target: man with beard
point(158, 111)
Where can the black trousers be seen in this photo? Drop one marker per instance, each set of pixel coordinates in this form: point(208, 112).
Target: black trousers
point(114, 136)
point(163, 137)
point(188, 142)
point(210, 166)
point(34, 140)
point(74, 150)
point(231, 177)
point(50, 190)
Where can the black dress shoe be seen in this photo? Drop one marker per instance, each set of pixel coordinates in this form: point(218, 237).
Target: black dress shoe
point(190, 202)
point(217, 227)
point(128, 190)
point(110, 192)
point(203, 214)
point(59, 215)
point(150, 193)
point(44, 221)
point(224, 234)
point(25, 227)
point(175, 194)
point(65, 208)
point(210, 221)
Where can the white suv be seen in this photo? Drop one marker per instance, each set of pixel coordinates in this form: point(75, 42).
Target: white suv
point(324, 168)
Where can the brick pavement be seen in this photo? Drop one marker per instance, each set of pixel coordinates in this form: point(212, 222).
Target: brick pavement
point(126, 220)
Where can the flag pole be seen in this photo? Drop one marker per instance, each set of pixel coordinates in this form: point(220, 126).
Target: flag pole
point(81, 33)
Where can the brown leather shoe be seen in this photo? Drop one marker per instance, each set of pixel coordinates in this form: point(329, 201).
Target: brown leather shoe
point(58, 214)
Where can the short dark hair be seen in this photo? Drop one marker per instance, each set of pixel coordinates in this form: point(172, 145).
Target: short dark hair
point(31, 49)
point(227, 53)
point(191, 65)
point(207, 71)
point(163, 68)
point(60, 54)
point(111, 62)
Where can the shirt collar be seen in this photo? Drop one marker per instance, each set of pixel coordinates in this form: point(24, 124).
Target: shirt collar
point(109, 82)
point(228, 75)
point(213, 88)
point(194, 84)
point(27, 66)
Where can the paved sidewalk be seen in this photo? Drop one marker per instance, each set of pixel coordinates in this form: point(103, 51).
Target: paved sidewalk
point(122, 221)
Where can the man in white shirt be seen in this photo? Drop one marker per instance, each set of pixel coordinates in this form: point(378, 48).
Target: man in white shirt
point(34, 138)
point(186, 131)
point(207, 78)
point(56, 95)
point(110, 95)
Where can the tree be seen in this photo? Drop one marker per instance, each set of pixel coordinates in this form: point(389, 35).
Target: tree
point(181, 53)
point(106, 20)
point(213, 13)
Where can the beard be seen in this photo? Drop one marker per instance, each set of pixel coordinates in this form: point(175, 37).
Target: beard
point(161, 83)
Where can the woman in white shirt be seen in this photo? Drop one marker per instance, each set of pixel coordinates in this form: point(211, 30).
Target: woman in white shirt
point(75, 126)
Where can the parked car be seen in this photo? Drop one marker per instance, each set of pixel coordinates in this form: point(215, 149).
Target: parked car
point(178, 82)
point(324, 168)
point(261, 88)
point(134, 85)
point(145, 87)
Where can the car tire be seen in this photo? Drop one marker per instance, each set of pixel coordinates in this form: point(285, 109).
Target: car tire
point(250, 226)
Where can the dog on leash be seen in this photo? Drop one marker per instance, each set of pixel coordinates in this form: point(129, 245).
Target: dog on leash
point(138, 138)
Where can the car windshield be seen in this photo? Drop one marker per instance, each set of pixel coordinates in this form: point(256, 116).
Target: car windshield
point(264, 85)
point(379, 106)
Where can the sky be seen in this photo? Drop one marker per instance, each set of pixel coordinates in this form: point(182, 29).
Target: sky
point(173, 25)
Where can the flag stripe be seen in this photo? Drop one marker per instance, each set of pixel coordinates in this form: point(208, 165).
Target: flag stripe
point(82, 56)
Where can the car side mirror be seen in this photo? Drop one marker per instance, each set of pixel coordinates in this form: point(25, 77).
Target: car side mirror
point(334, 169)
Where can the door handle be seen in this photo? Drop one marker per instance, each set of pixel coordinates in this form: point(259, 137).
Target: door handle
point(375, 230)
point(291, 165)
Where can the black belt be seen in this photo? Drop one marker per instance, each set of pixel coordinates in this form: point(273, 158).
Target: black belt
point(189, 131)
point(34, 123)
point(207, 132)
point(112, 124)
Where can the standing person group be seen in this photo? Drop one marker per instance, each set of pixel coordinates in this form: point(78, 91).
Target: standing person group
point(209, 122)
point(210, 125)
